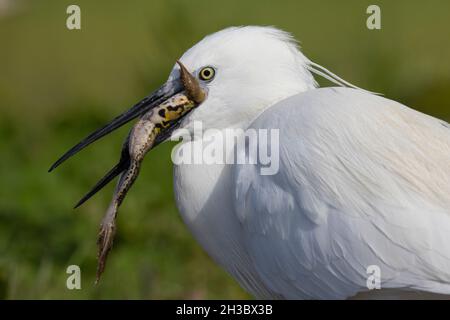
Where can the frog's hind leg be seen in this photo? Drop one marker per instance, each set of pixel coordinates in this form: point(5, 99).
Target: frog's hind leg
point(141, 141)
point(108, 224)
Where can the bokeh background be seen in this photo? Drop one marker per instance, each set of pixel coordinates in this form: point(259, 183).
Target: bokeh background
point(57, 85)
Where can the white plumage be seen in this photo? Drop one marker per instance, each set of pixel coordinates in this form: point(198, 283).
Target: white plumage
point(363, 180)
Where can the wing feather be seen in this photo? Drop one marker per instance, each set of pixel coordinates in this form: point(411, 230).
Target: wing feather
point(362, 181)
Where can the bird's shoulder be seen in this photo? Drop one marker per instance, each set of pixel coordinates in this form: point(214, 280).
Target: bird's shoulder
point(341, 143)
point(339, 105)
point(359, 177)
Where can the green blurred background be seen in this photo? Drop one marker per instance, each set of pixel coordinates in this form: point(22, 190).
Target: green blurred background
point(58, 85)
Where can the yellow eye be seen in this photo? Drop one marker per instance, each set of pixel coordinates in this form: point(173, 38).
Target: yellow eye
point(207, 73)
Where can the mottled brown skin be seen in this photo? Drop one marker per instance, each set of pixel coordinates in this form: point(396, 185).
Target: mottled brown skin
point(141, 140)
point(152, 128)
point(191, 85)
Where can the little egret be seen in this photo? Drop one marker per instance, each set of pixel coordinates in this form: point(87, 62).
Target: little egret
point(359, 205)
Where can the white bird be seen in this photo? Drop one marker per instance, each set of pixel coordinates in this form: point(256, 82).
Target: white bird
point(363, 181)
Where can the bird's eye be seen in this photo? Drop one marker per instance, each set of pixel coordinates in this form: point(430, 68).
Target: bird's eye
point(207, 73)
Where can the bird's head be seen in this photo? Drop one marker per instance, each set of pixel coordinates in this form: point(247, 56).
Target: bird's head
point(231, 76)
point(243, 70)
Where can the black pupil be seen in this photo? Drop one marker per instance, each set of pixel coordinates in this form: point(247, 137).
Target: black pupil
point(206, 73)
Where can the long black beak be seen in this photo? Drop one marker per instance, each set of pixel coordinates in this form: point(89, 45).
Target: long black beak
point(169, 89)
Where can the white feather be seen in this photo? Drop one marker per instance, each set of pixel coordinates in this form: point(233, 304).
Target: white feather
point(363, 181)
